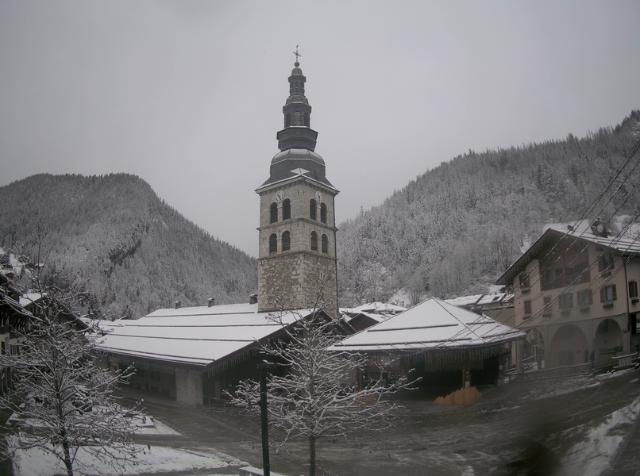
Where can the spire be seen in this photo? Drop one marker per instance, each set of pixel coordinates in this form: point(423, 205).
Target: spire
point(297, 132)
point(297, 54)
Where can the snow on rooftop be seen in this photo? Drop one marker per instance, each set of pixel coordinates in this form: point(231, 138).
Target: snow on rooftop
point(371, 315)
point(627, 243)
point(379, 307)
point(464, 300)
point(193, 335)
point(28, 298)
point(243, 308)
point(493, 298)
point(431, 325)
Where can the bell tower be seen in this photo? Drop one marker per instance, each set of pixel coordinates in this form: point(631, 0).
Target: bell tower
point(297, 267)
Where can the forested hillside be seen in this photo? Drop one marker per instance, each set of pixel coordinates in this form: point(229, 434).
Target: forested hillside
point(113, 239)
point(454, 229)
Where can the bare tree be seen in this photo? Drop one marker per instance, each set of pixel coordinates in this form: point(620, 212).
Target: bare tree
point(312, 392)
point(61, 399)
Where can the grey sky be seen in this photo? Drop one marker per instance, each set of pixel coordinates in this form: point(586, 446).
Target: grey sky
point(188, 94)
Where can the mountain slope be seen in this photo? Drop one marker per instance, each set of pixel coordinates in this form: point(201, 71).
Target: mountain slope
point(114, 239)
point(459, 225)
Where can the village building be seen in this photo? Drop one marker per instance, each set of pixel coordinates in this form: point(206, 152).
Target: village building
point(196, 354)
point(17, 312)
point(13, 317)
point(576, 295)
point(446, 346)
point(193, 354)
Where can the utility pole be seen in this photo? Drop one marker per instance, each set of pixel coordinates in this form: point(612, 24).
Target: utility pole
point(264, 418)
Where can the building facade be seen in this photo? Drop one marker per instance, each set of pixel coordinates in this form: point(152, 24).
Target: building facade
point(297, 267)
point(576, 295)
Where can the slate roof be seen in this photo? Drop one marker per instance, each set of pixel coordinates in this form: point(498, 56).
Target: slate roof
point(431, 325)
point(193, 335)
point(292, 164)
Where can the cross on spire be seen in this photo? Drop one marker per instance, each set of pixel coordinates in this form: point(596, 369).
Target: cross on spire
point(297, 55)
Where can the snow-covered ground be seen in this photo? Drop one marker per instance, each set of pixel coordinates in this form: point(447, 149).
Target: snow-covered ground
point(598, 444)
point(146, 425)
point(141, 423)
point(157, 459)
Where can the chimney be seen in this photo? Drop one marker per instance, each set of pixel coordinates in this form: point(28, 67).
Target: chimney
point(253, 299)
point(211, 302)
point(177, 304)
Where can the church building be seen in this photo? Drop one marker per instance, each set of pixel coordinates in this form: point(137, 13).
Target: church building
point(196, 354)
point(297, 267)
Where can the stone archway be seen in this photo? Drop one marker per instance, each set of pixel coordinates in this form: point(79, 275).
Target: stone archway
point(607, 342)
point(533, 350)
point(568, 347)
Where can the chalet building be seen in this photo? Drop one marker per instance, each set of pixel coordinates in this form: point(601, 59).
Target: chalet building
point(195, 354)
point(13, 317)
point(448, 347)
point(16, 313)
point(576, 295)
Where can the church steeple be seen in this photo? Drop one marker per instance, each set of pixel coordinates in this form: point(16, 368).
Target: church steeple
point(297, 264)
point(297, 132)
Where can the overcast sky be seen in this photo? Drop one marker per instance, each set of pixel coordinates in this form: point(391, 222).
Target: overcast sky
point(188, 94)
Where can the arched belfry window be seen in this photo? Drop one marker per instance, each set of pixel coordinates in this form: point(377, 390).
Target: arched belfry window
point(273, 213)
point(314, 241)
point(313, 207)
point(273, 244)
point(286, 209)
point(286, 241)
point(323, 213)
point(325, 244)
point(287, 120)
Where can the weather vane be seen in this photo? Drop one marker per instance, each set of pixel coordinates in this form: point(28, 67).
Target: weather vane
point(297, 54)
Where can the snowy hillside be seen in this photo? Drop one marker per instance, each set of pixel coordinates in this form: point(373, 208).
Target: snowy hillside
point(453, 230)
point(112, 238)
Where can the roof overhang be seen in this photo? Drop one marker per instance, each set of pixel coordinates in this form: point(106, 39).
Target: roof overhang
point(296, 178)
point(551, 233)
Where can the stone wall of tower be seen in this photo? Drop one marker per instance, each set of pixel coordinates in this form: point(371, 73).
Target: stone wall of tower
point(299, 277)
point(301, 280)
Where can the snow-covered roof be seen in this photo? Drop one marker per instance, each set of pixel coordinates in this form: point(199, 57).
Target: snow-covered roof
point(371, 315)
point(431, 325)
point(193, 335)
point(627, 243)
point(464, 300)
point(379, 307)
point(7, 300)
point(28, 298)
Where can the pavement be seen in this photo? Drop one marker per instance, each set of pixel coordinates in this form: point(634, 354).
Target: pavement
point(521, 428)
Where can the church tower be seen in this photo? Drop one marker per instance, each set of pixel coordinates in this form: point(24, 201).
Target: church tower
point(297, 265)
